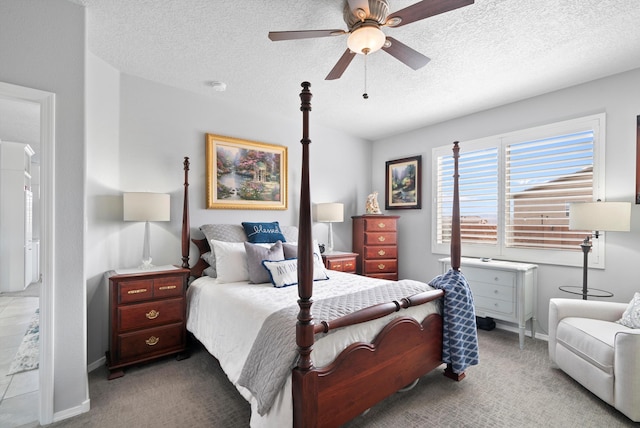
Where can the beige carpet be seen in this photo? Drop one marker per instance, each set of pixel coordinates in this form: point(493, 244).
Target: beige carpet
point(509, 388)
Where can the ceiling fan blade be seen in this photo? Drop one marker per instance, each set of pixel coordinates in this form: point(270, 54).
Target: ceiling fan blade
point(425, 9)
point(405, 54)
point(359, 4)
point(277, 36)
point(341, 65)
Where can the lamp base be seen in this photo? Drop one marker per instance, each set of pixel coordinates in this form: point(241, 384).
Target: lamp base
point(146, 264)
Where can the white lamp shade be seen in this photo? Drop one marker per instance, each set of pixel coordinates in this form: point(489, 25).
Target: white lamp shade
point(145, 206)
point(330, 212)
point(366, 39)
point(600, 216)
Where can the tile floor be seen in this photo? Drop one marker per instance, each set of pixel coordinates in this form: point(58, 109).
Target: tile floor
point(18, 392)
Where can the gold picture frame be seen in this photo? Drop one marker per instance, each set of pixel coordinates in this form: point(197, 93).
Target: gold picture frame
point(247, 175)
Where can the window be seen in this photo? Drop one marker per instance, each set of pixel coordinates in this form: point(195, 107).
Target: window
point(515, 191)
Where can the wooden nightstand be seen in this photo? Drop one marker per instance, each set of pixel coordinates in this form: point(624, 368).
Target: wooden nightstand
point(340, 261)
point(147, 311)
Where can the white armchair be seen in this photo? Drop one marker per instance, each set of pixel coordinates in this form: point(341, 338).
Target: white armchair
point(604, 356)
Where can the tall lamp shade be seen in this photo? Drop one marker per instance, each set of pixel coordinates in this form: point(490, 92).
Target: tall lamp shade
point(332, 212)
point(146, 206)
point(597, 217)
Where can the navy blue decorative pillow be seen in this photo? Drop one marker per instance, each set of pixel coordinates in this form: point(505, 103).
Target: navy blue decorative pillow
point(263, 233)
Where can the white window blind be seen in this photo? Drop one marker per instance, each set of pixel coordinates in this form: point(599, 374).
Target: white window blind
point(515, 190)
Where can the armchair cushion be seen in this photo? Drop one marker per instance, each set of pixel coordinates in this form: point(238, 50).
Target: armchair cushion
point(593, 340)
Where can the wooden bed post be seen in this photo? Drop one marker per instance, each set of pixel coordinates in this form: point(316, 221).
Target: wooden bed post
point(304, 408)
point(186, 230)
point(455, 215)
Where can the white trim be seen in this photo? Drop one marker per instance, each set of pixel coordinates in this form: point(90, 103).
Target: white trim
point(47, 254)
point(73, 411)
point(97, 364)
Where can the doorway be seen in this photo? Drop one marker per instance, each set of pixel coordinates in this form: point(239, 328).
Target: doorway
point(46, 102)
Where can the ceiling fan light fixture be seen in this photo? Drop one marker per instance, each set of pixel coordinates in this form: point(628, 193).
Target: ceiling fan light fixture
point(366, 39)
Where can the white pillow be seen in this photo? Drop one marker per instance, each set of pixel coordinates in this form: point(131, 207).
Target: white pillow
point(284, 273)
point(631, 316)
point(231, 261)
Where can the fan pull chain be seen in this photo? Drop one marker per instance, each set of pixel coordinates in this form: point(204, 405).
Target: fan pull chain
point(365, 95)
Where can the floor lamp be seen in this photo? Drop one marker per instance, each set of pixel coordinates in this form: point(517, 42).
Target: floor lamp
point(145, 206)
point(332, 212)
point(597, 217)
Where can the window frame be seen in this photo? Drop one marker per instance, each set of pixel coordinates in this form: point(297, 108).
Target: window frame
point(595, 122)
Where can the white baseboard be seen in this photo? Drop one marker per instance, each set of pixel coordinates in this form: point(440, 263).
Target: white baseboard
point(96, 364)
point(513, 328)
point(74, 411)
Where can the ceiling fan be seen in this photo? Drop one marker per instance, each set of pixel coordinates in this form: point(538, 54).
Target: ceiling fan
point(364, 19)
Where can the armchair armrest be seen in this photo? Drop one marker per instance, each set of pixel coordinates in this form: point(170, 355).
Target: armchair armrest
point(626, 368)
point(563, 308)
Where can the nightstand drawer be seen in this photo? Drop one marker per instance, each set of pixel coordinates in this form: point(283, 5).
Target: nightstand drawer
point(168, 286)
point(380, 238)
point(381, 252)
point(146, 343)
point(135, 291)
point(492, 291)
point(150, 314)
point(380, 224)
point(380, 266)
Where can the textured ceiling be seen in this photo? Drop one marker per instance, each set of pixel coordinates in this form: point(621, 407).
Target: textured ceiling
point(483, 55)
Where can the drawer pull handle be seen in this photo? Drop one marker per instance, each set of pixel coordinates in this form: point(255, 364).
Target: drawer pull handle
point(381, 266)
point(152, 341)
point(495, 291)
point(139, 290)
point(348, 265)
point(168, 287)
point(496, 279)
point(381, 225)
point(381, 238)
point(381, 253)
point(152, 314)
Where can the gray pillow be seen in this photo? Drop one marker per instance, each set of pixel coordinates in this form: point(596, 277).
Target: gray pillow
point(258, 274)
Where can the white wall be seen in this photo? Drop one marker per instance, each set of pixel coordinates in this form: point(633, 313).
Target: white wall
point(42, 46)
point(103, 197)
point(617, 96)
point(157, 127)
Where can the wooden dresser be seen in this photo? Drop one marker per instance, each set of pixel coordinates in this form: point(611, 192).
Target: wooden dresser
point(375, 240)
point(147, 317)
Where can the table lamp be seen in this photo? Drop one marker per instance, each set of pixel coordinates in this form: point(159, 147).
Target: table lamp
point(145, 206)
point(331, 212)
point(597, 217)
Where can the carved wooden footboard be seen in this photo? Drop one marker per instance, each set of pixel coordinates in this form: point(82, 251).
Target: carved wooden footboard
point(363, 374)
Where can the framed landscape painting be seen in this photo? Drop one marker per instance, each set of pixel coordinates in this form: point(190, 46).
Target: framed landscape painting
point(244, 174)
point(403, 183)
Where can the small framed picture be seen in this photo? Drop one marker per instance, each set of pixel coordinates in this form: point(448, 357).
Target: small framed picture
point(246, 175)
point(403, 183)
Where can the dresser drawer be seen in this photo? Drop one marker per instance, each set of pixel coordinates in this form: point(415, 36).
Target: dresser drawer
point(135, 291)
point(380, 224)
point(387, 276)
point(381, 252)
point(492, 291)
point(149, 342)
point(493, 306)
point(489, 276)
point(380, 238)
point(150, 314)
point(380, 266)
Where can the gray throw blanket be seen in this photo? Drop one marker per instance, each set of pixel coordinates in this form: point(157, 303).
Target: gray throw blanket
point(274, 352)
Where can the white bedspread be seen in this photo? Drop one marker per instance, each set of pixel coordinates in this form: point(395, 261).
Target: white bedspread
point(226, 319)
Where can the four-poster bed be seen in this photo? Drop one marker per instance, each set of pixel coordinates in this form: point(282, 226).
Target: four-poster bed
point(343, 366)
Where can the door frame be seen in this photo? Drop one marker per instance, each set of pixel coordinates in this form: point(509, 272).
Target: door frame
point(47, 103)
